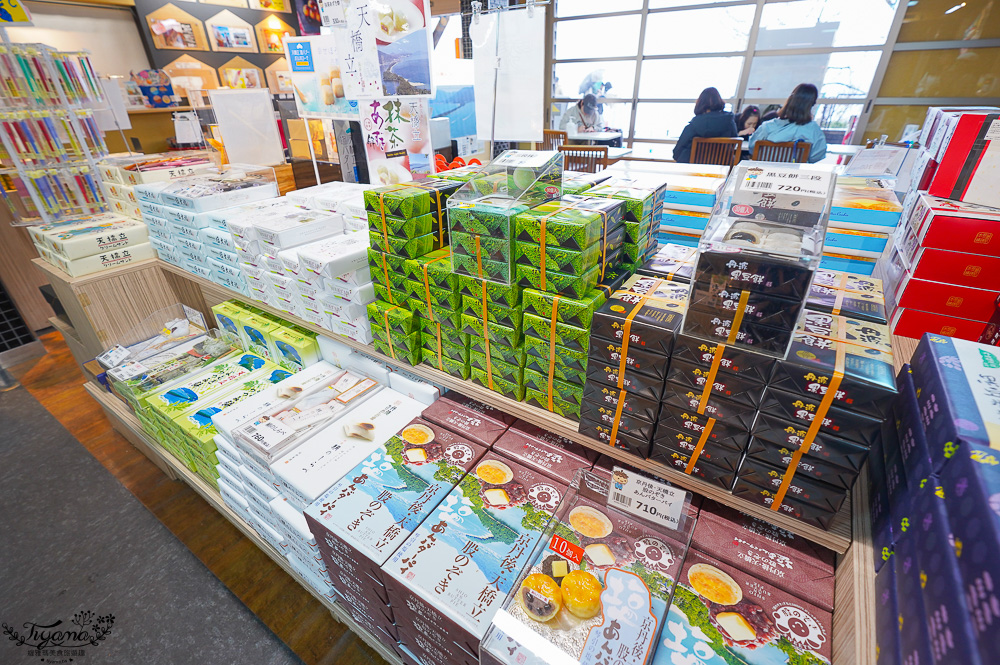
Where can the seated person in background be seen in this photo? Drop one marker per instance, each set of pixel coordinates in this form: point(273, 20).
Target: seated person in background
point(746, 122)
point(795, 123)
point(770, 113)
point(711, 120)
point(582, 116)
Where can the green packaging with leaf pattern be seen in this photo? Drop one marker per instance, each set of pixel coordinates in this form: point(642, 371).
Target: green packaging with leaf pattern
point(558, 406)
point(411, 199)
point(407, 248)
point(439, 297)
point(384, 265)
point(566, 261)
point(495, 312)
point(567, 392)
point(567, 358)
point(500, 385)
point(506, 294)
point(574, 286)
point(439, 269)
point(559, 369)
point(481, 246)
point(571, 311)
point(392, 295)
point(497, 271)
point(497, 333)
point(397, 318)
point(403, 227)
point(399, 349)
point(639, 200)
point(498, 349)
point(501, 369)
point(489, 216)
point(566, 336)
point(452, 323)
point(572, 222)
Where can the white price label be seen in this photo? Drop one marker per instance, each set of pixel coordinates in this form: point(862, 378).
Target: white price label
point(113, 357)
point(129, 370)
point(646, 498)
point(525, 158)
point(332, 13)
point(993, 133)
point(268, 434)
point(811, 183)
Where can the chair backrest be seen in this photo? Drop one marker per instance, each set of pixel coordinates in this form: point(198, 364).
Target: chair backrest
point(584, 158)
point(553, 138)
point(789, 151)
point(722, 151)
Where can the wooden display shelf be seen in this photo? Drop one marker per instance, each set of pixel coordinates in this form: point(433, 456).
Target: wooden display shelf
point(837, 538)
point(125, 422)
point(853, 639)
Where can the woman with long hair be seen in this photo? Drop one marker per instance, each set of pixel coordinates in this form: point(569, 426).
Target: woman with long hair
point(795, 123)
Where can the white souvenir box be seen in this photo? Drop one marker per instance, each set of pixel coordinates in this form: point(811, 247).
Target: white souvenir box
point(298, 228)
point(115, 258)
point(236, 185)
point(336, 256)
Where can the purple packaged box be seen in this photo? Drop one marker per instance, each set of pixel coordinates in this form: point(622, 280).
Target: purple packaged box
point(886, 619)
point(952, 637)
point(477, 426)
point(559, 462)
point(958, 388)
point(878, 508)
point(971, 482)
point(914, 641)
point(912, 439)
point(491, 412)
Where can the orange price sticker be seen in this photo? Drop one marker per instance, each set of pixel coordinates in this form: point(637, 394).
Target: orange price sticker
point(566, 549)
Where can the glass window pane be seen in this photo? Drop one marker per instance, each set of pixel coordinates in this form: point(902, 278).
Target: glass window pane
point(566, 8)
point(926, 21)
point(616, 115)
point(815, 23)
point(662, 4)
point(662, 120)
point(653, 150)
point(967, 72)
point(715, 30)
point(574, 79)
point(837, 75)
point(891, 120)
point(686, 78)
point(837, 121)
point(597, 37)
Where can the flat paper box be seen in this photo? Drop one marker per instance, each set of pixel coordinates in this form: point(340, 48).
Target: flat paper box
point(609, 396)
point(563, 334)
point(571, 223)
point(825, 449)
point(239, 219)
point(846, 263)
point(655, 307)
point(79, 241)
point(507, 518)
point(760, 308)
point(629, 424)
point(204, 194)
point(703, 468)
point(809, 467)
point(865, 208)
point(912, 438)
point(562, 390)
point(508, 294)
point(378, 503)
point(475, 426)
point(403, 227)
point(553, 364)
point(438, 267)
point(687, 399)
point(558, 461)
point(803, 488)
point(955, 382)
point(970, 481)
point(841, 422)
point(747, 271)
point(938, 265)
point(185, 217)
point(408, 200)
point(216, 238)
point(752, 366)
point(115, 258)
point(854, 296)
point(219, 375)
point(914, 323)
point(694, 633)
point(149, 193)
point(634, 383)
point(673, 263)
point(568, 359)
point(494, 312)
point(298, 228)
point(557, 259)
point(850, 241)
point(723, 383)
point(962, 302)
point(685, 219)
point(310, 469)
point(717, 326)
point(968, 160)
point(953, 225)
point(567, 409)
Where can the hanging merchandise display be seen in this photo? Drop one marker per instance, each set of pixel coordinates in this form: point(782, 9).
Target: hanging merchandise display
point(508, 49)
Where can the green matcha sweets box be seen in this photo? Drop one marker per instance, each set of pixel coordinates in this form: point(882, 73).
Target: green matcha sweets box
point(488, 216)
point(481, 246)
point(578, 182)
point(433, 313)
point(476, 327)
point(574, 286)
point(499, 272)
point(394, 317)
point(498, 384)
point(402, 227)
point(410, 199)
point(568, 359)
point(577, 312)
point(434, 268)
point(386, 269)
point(551, 403)
point(460, 174)
point(431, 295)
point(553, 362)
point(564, 335)
point(638, 198)
point(450, 323)
point(566, 392)
point(397, 346)
point(637, 231)
point(513, 355)
point(443, 363)
point(452, 345)
point(510, 372)
point(408, 248)
point(495, 312)
point(393, 295)
point(508, 295)
point(556, 259)
point(570, 223)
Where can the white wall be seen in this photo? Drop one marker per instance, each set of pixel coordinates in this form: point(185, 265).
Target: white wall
point(110, 34)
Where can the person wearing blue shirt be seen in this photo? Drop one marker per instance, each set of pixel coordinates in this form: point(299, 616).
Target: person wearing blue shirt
point(795, 123)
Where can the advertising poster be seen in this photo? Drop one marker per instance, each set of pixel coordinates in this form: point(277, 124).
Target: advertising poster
point(397, 138)
point(385, 48)
point(314, 71)
point(308, 14)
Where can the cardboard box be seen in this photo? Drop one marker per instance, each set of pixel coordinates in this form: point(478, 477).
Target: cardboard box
point(970, 164)
point(952, 225)
point(956, 383)
point(949, 300)
point(513, 506)
point(887, 651)
point(974, 270)
point(760, 616)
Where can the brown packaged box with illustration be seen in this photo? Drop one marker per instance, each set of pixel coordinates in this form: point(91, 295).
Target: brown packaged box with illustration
point(462, 416)
point(536, 432)
point(767, 552)
point(742, 618)
point(559, 462)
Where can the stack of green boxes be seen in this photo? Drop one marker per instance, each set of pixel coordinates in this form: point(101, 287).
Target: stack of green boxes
point(577, 182)
point(563, 250)
point(405, 222)
point(643, 207)
point(492, 317)
point(268, 336)
point(481, 237)
point(432, 289)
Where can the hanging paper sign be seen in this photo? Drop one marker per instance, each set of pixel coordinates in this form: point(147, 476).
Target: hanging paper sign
point(14, 12)
point(316, 78)
point(385, 48)
point(397, 138)
point(332, 13)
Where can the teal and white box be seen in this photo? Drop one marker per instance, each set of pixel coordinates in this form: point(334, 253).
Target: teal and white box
point(198, 269)
point(224, 269)
point(191, 244)
point(197, 220)
point(216, 238)
point(150, 192)
point(222, 255)
point(850, 240)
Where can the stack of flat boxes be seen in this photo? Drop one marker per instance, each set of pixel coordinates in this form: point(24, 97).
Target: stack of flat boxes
point(344, 198)
point(91, 244)
point(432, 290)
point(863, 215)
point(582, 244)
point(632, 337)
point(406, 222)
point(941, 541)
point(643, 199)
point(267, 335)
point(120, 175)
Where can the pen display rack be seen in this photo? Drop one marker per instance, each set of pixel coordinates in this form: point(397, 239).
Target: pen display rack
point(50, 141)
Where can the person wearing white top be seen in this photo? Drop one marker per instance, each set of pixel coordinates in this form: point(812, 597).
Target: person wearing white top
point(582, 116)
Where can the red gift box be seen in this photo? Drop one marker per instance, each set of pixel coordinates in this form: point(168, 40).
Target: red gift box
point(914, 323)
point(952, 225)
point(969, 168)
point(940, 265)
point(903, 290)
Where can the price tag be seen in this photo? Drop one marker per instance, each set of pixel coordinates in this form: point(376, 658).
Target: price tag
point(566, 549)
point(195, 317)
point(129, 370)
point(268, 434)
point(113, 357)
point(993, 133)
point(646, 498)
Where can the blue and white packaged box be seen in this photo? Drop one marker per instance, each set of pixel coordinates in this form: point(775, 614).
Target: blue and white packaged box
point(912, 439)
point(958, 388)
point(914, 640)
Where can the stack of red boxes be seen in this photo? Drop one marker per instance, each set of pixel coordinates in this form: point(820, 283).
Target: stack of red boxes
point(943, 274)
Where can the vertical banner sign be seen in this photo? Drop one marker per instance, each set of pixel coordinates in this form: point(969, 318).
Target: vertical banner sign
point(397, 138)
point(385, 48)
point(316, 78)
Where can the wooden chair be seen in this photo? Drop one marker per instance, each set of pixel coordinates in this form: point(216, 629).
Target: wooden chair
point(721, 151)
point(584, 158)
point(552, 139)
point(789, 151)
